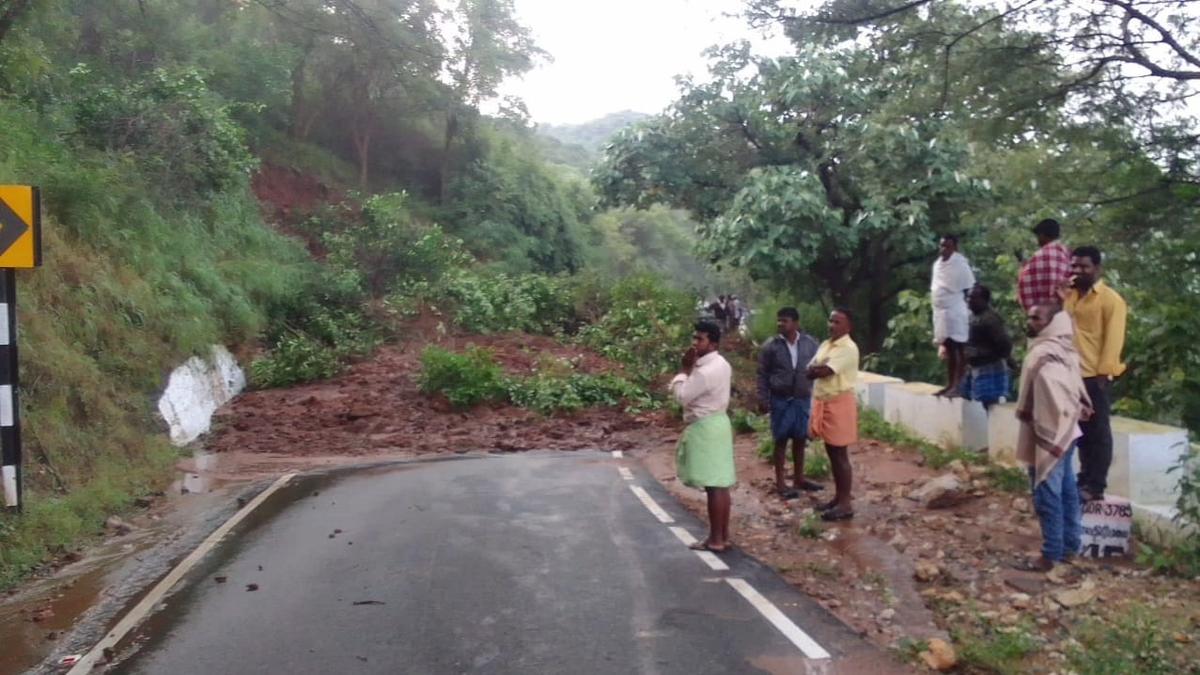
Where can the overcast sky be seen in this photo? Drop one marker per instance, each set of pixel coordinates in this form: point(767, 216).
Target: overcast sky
point(612, 55)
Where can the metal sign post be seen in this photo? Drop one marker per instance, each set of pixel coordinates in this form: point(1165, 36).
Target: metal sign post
point(10, 409)
point(20, 248)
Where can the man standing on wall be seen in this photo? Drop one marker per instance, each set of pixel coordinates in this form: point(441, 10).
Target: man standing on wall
point(1050, 407)
point(952, 278)
point(834, 371)
point(1042, 274)
point(786, 392)
point(704, 458)
point(989, 350)
point(1099, 314)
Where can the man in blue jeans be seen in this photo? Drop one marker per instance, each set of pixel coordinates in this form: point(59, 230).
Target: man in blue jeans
point(1052, 403)
point(786, 392)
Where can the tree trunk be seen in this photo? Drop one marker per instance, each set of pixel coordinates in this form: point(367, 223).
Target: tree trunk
point(298, 107)
point(362, 146)
point(444, 166)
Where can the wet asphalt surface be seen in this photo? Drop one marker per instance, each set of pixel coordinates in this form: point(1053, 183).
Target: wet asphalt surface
point(530, 563)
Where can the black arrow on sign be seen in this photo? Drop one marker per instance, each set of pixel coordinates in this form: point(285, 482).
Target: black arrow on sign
point(12, 227)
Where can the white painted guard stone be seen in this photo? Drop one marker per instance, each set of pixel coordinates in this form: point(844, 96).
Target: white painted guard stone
point(195, 390)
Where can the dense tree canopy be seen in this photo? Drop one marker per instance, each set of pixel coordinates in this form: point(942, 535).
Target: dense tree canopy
point(829, 174)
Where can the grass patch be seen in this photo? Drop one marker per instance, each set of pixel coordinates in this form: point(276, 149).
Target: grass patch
point(1134, 642)
point(872, 425)
point(997, 650)
point(816, 462)
point(811, 528)
point(1008, 478)
point(55, 523)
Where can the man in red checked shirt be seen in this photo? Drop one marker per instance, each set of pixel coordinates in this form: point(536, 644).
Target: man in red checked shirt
point(1041, 275)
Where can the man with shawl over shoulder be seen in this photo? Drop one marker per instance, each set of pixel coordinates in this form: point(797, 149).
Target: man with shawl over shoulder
point(1052, 403)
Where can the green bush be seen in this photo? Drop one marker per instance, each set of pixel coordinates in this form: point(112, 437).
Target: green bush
point(297, 358)
point(312, 342)
point(551, 393)
point(746, 422)
point(465, 379)
point(646, 327)
point(498, 303)
point(182, 132)
point(384, 246)
point(762, 327)
point(908, 351)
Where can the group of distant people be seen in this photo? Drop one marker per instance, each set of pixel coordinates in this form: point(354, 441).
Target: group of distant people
point(729, 312)
point(1076, 326)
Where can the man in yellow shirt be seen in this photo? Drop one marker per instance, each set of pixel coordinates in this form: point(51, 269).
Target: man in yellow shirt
point(1099, 314)
point(834, 418)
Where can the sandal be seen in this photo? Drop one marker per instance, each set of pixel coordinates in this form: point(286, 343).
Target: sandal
point(705, 546)
point(787, 495)
point(836, 514)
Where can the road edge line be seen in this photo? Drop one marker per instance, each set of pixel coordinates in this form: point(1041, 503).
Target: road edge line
point(156, 594)
point(771, 613)
point(651, 505)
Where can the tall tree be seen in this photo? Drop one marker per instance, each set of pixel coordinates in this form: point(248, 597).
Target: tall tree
point(809, 174)
point(487, 45)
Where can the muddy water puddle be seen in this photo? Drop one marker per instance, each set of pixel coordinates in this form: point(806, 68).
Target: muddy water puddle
point(34, 620)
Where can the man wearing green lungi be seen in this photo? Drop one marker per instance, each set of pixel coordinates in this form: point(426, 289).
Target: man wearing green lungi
point(704, 458)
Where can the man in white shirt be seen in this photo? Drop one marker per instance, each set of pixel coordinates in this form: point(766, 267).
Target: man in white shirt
point(704, 458)
point(952, 278)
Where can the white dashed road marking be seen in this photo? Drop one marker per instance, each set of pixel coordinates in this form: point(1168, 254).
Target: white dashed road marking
point(769, 611)
point(618, 454)
point(649, 503)
point(777, 618)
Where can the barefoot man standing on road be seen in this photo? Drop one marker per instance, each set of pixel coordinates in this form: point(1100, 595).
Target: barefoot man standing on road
point(704, 458)
point(834, 419)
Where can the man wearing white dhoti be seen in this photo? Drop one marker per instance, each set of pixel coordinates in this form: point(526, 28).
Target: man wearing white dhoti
point(951, 280)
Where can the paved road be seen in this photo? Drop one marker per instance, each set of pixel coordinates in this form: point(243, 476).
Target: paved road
point(530, 563)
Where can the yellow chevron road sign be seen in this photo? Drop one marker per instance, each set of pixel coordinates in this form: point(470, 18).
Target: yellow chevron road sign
point(20, 227)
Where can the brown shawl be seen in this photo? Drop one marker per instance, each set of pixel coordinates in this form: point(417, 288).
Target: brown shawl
point(1052, 398)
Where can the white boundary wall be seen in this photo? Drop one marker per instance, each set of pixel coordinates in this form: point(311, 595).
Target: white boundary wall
point(1142, 451)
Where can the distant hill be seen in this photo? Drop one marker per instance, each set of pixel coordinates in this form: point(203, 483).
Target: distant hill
point(594, 134)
